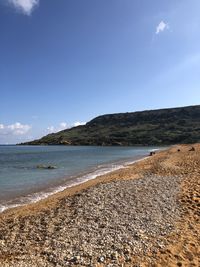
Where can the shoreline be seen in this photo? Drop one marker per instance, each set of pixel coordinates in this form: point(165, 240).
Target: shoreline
point(78, 180)
point(146, 214)
point(63, 182)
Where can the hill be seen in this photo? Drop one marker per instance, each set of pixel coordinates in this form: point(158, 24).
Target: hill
point(152, 127)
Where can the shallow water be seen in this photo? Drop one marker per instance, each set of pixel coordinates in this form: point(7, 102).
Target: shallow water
point(21, 181)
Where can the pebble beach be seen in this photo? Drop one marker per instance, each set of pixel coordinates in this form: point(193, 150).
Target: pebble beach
point(146, 214)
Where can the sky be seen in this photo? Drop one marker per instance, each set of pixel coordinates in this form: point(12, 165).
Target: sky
point(65, 62)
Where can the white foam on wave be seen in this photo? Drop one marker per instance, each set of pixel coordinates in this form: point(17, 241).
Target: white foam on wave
point(134, 161)
point(33, 198)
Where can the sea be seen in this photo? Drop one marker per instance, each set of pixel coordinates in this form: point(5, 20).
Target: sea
point(22, 182)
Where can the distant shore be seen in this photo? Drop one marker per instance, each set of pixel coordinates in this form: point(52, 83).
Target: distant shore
point(135, 215)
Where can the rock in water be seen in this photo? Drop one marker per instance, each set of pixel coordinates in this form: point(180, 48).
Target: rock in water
point(49, 167)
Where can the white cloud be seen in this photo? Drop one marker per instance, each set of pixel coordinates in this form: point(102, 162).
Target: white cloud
point(78, 123)
point(62, 126)
point(50, 129)
point(161, 27)
point(14, 129)
point(25, 6)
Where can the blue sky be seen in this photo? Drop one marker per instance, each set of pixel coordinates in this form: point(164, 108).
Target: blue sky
point(64, 62)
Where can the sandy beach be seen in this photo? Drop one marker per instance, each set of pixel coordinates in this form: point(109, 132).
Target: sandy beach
point(146, 214)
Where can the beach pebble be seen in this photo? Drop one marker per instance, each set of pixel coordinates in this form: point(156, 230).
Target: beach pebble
point(107, 222)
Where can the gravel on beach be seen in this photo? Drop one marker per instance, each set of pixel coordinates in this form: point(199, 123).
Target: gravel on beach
point(108, 223)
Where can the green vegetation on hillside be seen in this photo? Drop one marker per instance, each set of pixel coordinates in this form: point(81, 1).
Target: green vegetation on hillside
point(154, 127)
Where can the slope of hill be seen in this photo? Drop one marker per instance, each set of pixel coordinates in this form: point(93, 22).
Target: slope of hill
point(153, 127)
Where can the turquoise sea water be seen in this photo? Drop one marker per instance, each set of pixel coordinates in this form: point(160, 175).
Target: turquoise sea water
point(22, 182)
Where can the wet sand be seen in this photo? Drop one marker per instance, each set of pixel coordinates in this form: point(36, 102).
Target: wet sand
point(146, 214)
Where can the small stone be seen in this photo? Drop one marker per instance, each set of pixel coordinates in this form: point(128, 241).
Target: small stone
point(102, 259)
